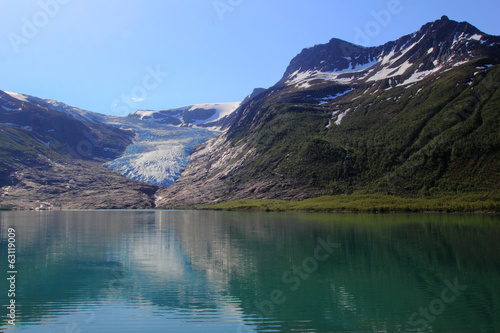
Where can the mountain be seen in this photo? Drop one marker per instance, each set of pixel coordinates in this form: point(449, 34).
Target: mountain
point(51, 156)
point(57, 156)
point(49, 104)
point(52, 128)
point(415, 116)
point(198, 115)
point(255, 93)
point(436, 47)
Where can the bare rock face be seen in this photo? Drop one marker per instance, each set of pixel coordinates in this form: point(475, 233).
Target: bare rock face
point(216, 174)
point(52, 156)
point(73, 185)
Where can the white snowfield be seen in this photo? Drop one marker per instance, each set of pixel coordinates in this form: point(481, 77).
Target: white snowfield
point(222, 110)
point(304, 79)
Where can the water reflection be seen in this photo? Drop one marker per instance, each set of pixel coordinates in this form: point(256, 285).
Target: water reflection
point(134, 271)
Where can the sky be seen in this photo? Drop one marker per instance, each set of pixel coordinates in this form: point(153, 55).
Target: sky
point(119, 56)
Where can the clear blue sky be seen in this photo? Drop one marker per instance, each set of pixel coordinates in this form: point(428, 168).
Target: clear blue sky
point(113, 56)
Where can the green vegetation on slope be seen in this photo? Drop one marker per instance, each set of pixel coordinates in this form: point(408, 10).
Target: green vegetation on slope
point(439, 136)
point(484, 202)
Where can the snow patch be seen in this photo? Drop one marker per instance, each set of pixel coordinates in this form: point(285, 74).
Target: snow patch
point(460, 63)
point(416, 77)
point(45, 143)
point(304, 79)
point(144, 113)
point(9, 109)
point(29, 128)
point(332, 97)
point(341, 116)
point(17, 96)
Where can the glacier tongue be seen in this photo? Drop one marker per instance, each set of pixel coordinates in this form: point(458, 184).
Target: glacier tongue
point(165, 140)
point(160, 152)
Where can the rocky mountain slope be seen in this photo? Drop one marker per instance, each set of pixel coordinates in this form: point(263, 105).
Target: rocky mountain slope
point(55, 156)
point(416, 116)
point(51, 156)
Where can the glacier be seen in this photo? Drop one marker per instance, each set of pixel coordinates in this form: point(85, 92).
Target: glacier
point(160, 152)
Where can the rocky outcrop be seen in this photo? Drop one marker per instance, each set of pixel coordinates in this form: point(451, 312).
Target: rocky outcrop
point(73, 184)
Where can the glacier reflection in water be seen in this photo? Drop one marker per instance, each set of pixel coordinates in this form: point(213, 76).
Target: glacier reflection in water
point(189, 271)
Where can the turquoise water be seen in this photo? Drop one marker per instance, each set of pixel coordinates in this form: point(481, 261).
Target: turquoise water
point(191, 271)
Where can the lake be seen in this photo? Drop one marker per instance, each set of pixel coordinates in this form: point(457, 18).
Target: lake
point(202, 271)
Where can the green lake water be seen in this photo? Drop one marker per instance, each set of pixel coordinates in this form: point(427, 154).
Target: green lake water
point(201, 271)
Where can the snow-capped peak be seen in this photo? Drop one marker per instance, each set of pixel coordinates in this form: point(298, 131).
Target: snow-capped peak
point(437, 46)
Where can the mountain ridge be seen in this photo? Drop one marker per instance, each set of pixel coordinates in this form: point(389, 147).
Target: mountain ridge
point(441, 43)
point(346, 118)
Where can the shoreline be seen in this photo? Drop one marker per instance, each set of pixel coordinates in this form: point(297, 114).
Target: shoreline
point(481, 203)
point(473, 203)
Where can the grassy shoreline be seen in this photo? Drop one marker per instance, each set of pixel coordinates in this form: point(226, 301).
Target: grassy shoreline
point(376, 203)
